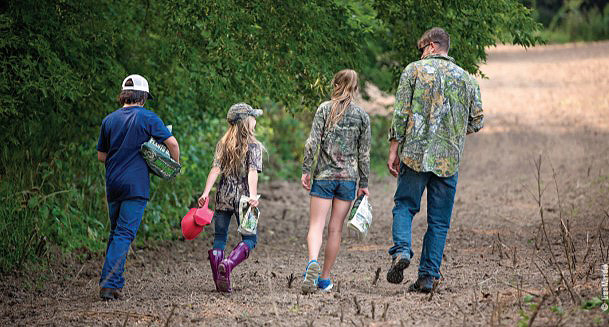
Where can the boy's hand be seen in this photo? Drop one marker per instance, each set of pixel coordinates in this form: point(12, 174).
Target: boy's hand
point(202, 199)
point(306, 181)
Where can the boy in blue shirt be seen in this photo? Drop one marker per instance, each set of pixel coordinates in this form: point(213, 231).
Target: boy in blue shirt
point(127, 176)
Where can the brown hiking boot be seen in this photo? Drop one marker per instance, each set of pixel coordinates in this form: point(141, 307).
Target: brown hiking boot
point(395, 274)
point(110, 294)
point(422, 285)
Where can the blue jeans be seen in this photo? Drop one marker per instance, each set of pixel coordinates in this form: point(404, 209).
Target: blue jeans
point(125, 219)
point(440, 200)
point(221, 223)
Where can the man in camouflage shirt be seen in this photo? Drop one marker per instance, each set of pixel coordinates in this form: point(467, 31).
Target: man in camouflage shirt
point(437, 104)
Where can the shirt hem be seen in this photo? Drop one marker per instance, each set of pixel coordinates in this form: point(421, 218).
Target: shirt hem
point(428, 171)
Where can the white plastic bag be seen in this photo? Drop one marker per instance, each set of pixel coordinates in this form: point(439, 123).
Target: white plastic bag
point(360, 217)
point(248, 216)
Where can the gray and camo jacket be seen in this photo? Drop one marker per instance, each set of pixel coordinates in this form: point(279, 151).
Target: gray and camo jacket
point(345, 148)
point(437, 103)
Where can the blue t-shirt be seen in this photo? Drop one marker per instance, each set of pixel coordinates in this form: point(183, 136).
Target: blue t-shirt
point(121, 136)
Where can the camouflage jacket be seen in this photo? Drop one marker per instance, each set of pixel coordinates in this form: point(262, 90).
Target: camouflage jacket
point(232, 187)
point(344, 149)
point(437, 103)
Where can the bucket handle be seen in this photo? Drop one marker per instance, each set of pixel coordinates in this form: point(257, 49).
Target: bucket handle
point(206, 204)
point(205, 207)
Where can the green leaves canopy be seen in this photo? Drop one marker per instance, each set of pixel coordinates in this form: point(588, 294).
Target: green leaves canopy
point(472, 25)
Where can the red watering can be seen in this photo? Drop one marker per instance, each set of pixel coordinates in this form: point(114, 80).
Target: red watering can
point(195, 219)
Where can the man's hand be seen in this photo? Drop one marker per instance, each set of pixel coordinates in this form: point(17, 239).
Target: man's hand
point(306, 181)
point(363, 191)
point(393, 163)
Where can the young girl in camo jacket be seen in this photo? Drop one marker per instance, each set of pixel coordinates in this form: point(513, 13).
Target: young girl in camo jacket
point(341, 131)
point(238, 159)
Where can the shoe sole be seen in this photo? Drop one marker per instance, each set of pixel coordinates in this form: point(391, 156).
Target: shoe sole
point(108, 297)
point(416, 289)
point(309, 284)
point(395, 275)
point(223, 284)
point(327, 289)
point(217, 284)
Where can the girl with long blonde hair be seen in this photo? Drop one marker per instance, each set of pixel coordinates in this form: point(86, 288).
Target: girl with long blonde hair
point(341, 133)
point(238, 159)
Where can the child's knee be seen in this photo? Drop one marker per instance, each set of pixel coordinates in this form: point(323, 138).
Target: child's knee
point(335, 230)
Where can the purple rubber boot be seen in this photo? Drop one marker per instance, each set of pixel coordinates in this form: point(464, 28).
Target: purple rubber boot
point(215, 257)
point(239, 253)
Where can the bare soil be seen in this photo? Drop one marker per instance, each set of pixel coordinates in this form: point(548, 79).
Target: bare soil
point(548, 102)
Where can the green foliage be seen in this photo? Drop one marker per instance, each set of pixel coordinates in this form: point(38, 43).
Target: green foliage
point(592, 303)
point(61, 64)
point(473, 26)
point(284, 136)
point(379, 67)
point(558, 310)
point(531, 307)
point(235, 50)
point(574, 22)
point(571, 20)
point(523, 321)
point(379, 147)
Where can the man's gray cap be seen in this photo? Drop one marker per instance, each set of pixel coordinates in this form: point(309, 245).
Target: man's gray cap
point(239, 111)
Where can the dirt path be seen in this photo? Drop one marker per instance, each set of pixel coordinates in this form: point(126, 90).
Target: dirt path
point(550, 100)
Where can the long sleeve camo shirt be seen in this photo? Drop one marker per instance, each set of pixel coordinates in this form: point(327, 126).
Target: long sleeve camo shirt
point(437, 103)
point(345, 148)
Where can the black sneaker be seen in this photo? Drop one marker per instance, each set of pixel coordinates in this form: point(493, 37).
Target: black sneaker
point(395, 275)
point(110, 294)
point(422, 285)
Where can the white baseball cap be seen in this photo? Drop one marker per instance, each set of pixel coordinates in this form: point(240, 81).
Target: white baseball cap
point(139, 84)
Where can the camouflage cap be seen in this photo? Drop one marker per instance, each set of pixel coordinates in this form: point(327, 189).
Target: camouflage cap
point(239, 111)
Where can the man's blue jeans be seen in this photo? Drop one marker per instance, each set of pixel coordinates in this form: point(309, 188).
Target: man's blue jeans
point(440, 200)
point(125, 219)
point(221, 223)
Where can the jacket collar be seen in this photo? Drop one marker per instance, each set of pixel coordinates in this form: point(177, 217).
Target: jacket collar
point(439, 56)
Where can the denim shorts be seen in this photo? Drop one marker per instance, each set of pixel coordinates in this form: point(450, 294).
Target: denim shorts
point(329, 189)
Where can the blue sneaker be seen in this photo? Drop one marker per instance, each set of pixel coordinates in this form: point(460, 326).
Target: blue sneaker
point(324, 284)
point(309, 284)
